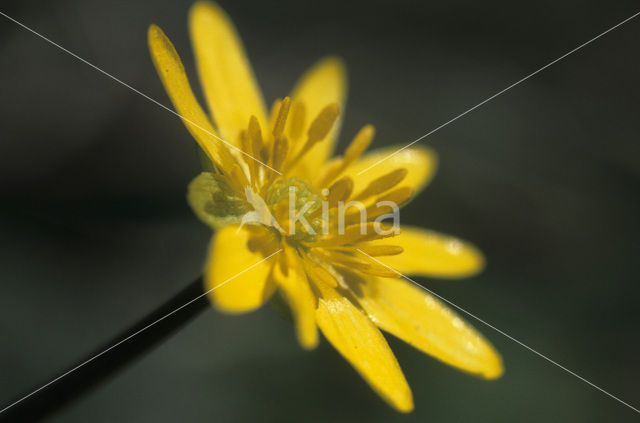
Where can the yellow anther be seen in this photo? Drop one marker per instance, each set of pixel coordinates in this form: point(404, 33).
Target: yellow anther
point(283, 111)
point(329, 172)
point(383, 183)
point(273, 113)
point(280, 150)
point(255, 135)
point(322, 124)
point(340, 191)
point(318, 129)
point(319, 273)
point(297, 120)
point(398, 197)
point(362, 264)
point(359, 144)
point(359, 232)
point(245, 145)
point(381, 250)
point(239, 177)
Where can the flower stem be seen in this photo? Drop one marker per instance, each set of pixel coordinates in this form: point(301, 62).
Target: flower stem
point(107, 360)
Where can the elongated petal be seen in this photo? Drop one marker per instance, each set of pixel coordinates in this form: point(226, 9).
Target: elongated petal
point(323, 84)
point(236, 271)
point(297, 292)
point(428, 253)
point(174, 79)
point(420, 162)
point(415, 316)
point(362, 344)
point(229, 85)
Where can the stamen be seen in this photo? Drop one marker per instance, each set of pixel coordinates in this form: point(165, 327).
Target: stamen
point(296, 120)
point(283, 111)
point(398, 197)
point(340, 191)
point(318, 129)
point(273, 113)
point(257, 147)
point(280, 150)
point(379, 230)
point(383, 183)
point(318, 273)
point(381, 250)
point(358, 145)
point(354, 234)
point(226, 159)
point(238, 176)
point(329, 172)
point(377, 269)
point(255, 134)
point(245, 144)
point(356, 263)
point(322, 124)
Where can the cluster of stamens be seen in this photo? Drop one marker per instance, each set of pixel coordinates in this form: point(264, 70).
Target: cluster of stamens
point(339, 220)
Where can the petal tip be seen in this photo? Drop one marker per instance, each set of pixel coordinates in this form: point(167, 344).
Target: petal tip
point(495, 369)
point(154, 33)
point(308, 343)
point(335, 62)
point(208, 12)
point(333, 66)
point(403, 401)
point(203, 6)
point(474, 264)
point(338, 66)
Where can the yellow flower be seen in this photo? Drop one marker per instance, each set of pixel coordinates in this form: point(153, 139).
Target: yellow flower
point(343, 282)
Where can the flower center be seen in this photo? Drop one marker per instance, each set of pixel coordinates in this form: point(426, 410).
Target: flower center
point(295, 204)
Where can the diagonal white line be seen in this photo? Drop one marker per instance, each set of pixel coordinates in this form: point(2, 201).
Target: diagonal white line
point(503, 333)
point(137, 91)
point(135, 333)
point(499, 93)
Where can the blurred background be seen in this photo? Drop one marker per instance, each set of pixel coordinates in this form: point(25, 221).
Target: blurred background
point(95, 230)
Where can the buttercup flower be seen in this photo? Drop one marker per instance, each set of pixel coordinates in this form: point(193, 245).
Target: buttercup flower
point(339, 277)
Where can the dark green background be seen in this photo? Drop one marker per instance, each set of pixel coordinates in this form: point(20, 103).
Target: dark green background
point(95, 230)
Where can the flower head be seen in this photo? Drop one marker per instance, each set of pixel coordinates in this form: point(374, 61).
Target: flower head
point(285, 221)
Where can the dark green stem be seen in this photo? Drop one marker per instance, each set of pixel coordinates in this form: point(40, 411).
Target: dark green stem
point(107, 360)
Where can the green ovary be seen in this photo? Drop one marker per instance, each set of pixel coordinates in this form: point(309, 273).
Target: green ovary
point(303, 193)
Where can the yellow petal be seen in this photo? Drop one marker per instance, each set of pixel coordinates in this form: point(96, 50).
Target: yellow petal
point(428, 253)
point(415, 316)
point(362, 344)
point(174, 79)
point(229, 85)
point(297, 292)
point(236, 272)
point(420, 162)
point(323, 84)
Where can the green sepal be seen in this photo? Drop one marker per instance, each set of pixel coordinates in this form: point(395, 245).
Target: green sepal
point(215, 202)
